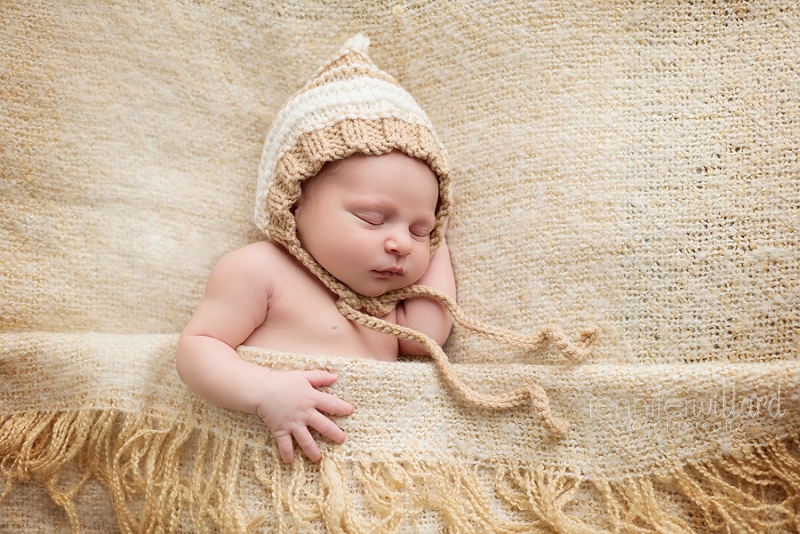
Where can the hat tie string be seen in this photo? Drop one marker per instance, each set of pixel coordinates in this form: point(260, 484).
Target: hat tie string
point(532, 393)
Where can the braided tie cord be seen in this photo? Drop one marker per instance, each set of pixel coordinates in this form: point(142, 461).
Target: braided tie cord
point(532, 393)
point(551, 334)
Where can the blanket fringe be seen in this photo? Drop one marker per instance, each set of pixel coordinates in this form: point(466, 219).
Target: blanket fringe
point(173, 475)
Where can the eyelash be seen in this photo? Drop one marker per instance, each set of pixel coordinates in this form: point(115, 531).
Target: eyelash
point(421, 234)
point(372, 222)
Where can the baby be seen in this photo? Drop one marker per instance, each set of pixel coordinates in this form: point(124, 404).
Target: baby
point(354, 193)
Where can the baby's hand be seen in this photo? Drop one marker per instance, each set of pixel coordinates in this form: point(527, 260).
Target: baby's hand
point(294, 405)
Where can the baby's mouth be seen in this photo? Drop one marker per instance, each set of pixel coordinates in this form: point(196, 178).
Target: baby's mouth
point(390, 272)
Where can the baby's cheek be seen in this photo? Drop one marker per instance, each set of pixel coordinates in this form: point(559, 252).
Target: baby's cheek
point(421, 264)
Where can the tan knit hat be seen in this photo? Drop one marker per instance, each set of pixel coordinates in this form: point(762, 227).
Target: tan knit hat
point(350, 106)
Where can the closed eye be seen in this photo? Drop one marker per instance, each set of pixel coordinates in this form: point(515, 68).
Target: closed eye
point(420, 231)
point(372, 218)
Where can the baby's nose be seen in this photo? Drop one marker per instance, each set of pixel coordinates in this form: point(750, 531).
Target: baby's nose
point(399, 243)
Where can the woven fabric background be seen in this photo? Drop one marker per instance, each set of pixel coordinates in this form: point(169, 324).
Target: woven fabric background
point(632, 165)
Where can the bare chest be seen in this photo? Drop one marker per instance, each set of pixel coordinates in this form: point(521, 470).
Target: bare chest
point(302, 317)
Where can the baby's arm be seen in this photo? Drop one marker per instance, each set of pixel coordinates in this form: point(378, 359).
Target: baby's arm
point(427, 315)
point(236, 302)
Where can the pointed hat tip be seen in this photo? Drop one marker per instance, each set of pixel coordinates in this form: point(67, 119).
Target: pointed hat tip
point(358, 43)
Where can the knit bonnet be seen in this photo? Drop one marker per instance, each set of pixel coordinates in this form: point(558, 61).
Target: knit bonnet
point(349, 107)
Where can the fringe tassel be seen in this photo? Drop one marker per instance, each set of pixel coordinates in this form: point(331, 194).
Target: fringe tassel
point(171, 475)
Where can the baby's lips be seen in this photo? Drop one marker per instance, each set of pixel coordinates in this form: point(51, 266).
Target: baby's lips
point(391, 271)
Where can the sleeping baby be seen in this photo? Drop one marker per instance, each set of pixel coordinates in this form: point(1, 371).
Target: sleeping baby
point(354, 196)
point(354, 177)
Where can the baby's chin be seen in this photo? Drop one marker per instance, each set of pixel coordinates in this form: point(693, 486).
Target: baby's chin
point(374, 288)
point(374, 292)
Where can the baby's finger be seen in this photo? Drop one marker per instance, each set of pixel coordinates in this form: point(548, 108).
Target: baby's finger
point(333, 405)
point(307, 443)
point(319, 378)
point(326, 427)
point(286, 447)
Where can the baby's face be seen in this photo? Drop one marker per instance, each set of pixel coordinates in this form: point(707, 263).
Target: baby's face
point(368, 220)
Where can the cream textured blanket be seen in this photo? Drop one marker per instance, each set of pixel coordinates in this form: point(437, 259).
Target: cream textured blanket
point(631, 165)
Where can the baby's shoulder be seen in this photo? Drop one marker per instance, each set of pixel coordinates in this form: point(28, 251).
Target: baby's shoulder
point(258, 252)
point(256, 261)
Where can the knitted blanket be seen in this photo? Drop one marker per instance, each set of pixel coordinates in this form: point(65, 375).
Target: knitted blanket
point(626, 165)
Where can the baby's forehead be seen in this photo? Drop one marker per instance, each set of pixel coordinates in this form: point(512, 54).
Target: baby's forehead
point(326, 176)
